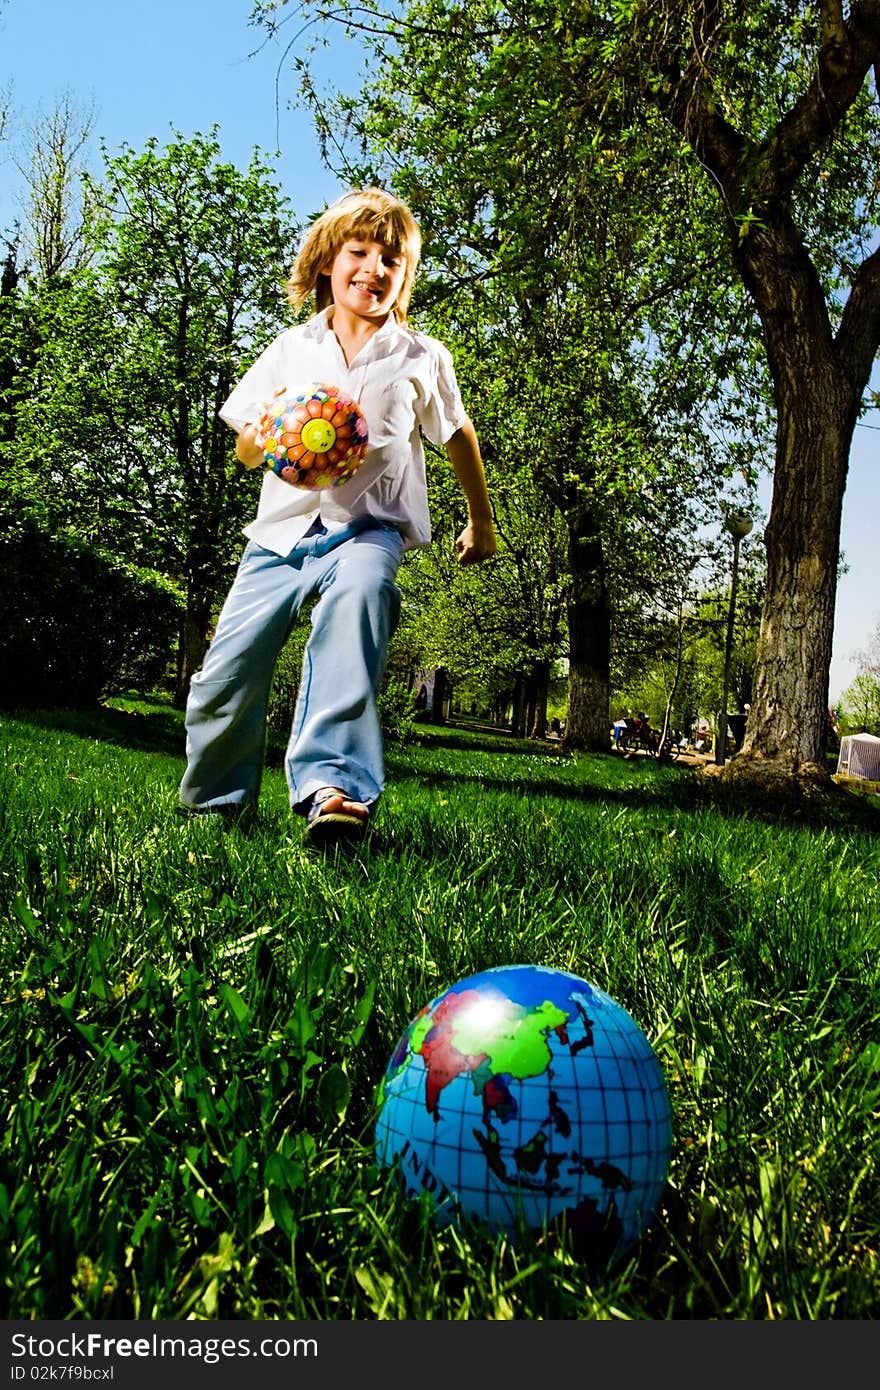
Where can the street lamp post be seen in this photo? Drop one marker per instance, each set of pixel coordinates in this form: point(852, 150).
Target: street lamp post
point(738, 525)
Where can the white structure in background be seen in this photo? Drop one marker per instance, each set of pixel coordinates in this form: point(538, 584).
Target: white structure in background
point(860, 757)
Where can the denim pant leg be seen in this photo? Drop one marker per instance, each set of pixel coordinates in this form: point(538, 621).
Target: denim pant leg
point(228, 698)
point(336, 738)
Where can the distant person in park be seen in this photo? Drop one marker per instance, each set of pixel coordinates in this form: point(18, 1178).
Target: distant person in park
point(342, 545)
point(736, 724)
point(701, 733)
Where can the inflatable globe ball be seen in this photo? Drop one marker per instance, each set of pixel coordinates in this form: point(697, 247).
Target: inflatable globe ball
point(525, 1096)
point(316, 438)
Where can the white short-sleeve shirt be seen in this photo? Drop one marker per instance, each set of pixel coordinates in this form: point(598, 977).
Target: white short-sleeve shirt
point(405, 384)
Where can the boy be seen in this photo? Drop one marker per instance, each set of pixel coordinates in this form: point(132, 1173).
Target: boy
point(342, 545)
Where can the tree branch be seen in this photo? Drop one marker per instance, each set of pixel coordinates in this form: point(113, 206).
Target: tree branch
point(686, 104)
point(849, 49)
point(848, 52)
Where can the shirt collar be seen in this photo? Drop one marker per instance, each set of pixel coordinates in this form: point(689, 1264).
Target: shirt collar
point(318, 327)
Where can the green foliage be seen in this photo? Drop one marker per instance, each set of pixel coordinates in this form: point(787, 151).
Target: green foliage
point(647, 676)
point(488, 624)
point(860, 704)
point(397, 712)
point(195, 1022)
point(77, 621)
point(118, 371)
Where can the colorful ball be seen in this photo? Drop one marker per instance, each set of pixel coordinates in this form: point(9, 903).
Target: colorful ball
point(316, 438)
point(526, 1097)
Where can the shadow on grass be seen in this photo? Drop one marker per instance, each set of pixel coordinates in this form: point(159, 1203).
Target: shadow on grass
point(682, 789)
point(152, 727)
point(482, 739)
point(151, 730)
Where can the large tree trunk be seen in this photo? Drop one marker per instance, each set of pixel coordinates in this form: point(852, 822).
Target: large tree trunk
point(819, 369)
point(529, 715)
point(518, 708)
point(539, 690)
point(788, 717)
point(442, 693)
point(817, 400)
point(589, 638)
point(192, 645)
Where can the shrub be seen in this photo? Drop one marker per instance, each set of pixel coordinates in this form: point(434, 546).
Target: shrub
point(77, 622)
point(397, 712)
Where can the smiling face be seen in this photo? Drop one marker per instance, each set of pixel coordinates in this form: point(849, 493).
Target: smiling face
point(358, 220)
point(366, 278)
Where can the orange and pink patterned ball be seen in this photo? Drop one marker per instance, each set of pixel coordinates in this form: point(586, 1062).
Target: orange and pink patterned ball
point(316, 438)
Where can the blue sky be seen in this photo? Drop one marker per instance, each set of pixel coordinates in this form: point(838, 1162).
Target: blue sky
point(147, 66)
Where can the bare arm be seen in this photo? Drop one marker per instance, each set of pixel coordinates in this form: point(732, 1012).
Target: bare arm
point(477, 540)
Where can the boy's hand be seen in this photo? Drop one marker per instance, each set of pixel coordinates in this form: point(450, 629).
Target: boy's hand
point(249, 447)
point(476, 542)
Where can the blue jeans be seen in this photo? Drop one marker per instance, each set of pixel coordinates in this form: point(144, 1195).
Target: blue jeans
point(336, 739)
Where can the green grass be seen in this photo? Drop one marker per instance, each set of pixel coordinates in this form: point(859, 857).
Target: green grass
point(195, 1021)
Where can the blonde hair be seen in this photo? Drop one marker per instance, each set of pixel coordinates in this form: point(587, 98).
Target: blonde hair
point(367, 214)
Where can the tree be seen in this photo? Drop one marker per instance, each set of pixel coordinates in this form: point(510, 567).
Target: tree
point(137, 353)
point(495, 633)
point(194, 251)
point(860, 704)
point(9, 342)
point(774, 102)
point(5, 103)
point(673, 660)
point(56, 206)
point(52, 240)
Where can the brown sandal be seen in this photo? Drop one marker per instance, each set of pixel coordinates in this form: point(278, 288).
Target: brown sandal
point(327, 820)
